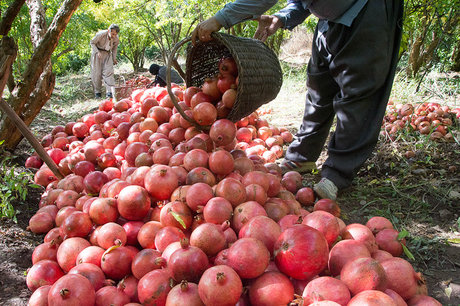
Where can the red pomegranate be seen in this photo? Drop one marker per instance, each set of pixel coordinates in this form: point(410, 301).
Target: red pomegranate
point(220, 285)
point(301, 252)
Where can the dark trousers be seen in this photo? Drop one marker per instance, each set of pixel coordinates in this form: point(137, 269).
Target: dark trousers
point(350, 75)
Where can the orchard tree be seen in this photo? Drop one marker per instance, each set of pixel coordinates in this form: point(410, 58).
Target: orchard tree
point(37, 81)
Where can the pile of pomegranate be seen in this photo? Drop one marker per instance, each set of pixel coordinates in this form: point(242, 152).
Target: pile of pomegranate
point(138, 82)
point(154, 211)
point(426, 118)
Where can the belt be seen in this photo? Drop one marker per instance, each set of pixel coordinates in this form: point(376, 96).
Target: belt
point(102, 49)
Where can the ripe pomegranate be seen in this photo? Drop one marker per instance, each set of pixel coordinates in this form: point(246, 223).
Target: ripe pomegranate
point(185, 293)
point(153, 287)
point(362, 274)
point(188, 263)
point(167, 235)
point(249, 257)
point(116, 262)
point(402, 277)
point(387, 240)
point(40, 296)
point(361, 233)
point(371, 297)
point(111, 234)
point(271, 288)
point(145, 261)
point(68, 251)
point(44, 272)
point(72, 289)
point(377, 223)
point(261, 228)
point(209, 237)
point(217, 210)
point(220, 285)
point(326, 289)
point(161, 181)
point(301, 252)
point(222, 132)
point(343, 252)
point(324, 222)
point(133, 203)
point(92, 272)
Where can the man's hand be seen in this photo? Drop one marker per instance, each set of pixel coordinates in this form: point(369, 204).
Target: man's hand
point(204, 29)
point(268, 25)
point(115, 62)
point(99, 55)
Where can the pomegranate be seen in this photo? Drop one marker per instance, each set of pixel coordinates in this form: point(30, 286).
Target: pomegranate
point(327, 205)
point(271, 288)
point(232, 190)
point(147, 233)
point(91, 254)
point(72, 289)
point(423, 300)
point(133, 203)
point(324, 222)
point(40, 296)
point(222, 132)
point(41, 223)
point(245, 212)
point(220, 285)
point(343, 252)
point(161, 181)
point(44, 272)
point(326, 289)
point(188, 263)
point(46, 250)
point(166, 236)
point(217, 210)
point(401, 277)
point(361, 233)
point(301, 252)
point(145, 261)
point(377, 223)
point(261, 228)
point(362, 274)
point(68, 251)
point(153, 287)
point(387, 240)
point(116, 262)
point(184, 293)
point(111, 295)
point(371, 297)
point(209, 237)
point(111, 234)
point(249, 257)
point(92, 272)
point(176, 214)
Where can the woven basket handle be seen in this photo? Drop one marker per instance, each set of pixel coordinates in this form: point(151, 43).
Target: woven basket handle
point(168, 85)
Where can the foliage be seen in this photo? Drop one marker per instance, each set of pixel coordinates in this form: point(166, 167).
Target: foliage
point(430, 34)
point(14, 185)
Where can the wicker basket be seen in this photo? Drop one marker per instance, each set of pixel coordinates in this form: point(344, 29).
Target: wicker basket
point(122, 90)
point(259, 71)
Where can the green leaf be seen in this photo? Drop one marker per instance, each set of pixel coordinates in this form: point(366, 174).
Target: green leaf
point(454, 240)
point(407, 252)
point(178, 219)
point(403, 234)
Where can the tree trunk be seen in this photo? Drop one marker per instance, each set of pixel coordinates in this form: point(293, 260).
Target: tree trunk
point(31, 94)
point(456, 58)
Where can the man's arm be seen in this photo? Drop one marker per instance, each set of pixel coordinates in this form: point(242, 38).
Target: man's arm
point(293, 14)
point(241, 10)
point(94, 41)
point(115, 49)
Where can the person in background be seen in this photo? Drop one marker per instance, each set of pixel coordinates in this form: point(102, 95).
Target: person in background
point(103, 56)
point(160, 76)
point(349, 76)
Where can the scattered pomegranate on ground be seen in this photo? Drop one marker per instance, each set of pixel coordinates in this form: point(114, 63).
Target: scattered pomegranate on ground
point(430, 119)
point(154, 211)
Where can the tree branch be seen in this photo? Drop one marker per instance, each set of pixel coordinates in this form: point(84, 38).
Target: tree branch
point(10, 15)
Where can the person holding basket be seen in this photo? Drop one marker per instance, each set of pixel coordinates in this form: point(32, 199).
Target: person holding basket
point(350, 73)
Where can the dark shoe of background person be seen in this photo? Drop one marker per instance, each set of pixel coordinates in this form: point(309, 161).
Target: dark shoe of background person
point(98, 95)
point(109, 95)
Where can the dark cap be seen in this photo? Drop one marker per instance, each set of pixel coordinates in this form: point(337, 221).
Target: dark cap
point(154, 68)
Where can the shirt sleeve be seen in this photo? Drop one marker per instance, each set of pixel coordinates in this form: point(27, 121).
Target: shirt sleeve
point(94, 41)
point(293, 14)
point(241, 10)
point(115, 48)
